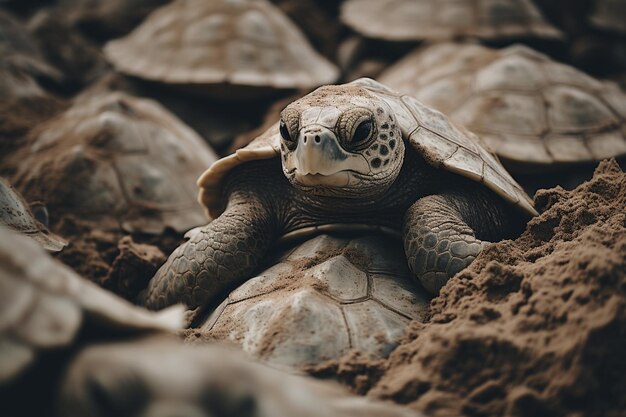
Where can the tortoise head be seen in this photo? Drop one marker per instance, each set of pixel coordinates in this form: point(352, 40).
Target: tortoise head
point(341, 141)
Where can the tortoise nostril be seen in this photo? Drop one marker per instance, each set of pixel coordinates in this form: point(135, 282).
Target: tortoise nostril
point(305, 139)
point(317, 139)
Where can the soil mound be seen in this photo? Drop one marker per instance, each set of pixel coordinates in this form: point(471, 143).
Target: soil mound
point(535, 326)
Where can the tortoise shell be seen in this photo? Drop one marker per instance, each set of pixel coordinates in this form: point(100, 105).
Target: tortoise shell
point(528, 108)
point(405, 20)
point(44, 304)
point(115, 155)
point(16, 215)
point(427, 131)
point(609, 15)
point(350, 294)
point(240, 42)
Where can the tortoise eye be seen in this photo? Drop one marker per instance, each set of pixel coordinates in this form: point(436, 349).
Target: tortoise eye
point(356, 128)
point(362, 132)
point(284, 132)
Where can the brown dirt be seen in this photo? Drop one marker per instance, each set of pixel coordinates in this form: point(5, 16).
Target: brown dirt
point(91, 250)
point(356, 370)
point(133, 267)
point(534, 327)
point(101, 252)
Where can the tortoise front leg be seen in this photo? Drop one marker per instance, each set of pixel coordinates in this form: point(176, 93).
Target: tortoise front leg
point(220, 255)
point(444, 233)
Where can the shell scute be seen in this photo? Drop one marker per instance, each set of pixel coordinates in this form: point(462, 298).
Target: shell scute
point(351, 293)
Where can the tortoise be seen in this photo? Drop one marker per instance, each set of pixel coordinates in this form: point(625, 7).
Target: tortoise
point(535, 113)
point(110, 358)
point(351, 293)
point(231, 47)
point(116, 156)
point(17, 215)
point(411, 20)
point(357, 155)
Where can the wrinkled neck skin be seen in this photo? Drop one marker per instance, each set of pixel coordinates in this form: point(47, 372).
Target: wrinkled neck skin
point(295, 208)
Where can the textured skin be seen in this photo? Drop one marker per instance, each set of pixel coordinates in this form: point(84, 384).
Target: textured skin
point(219, 255)
point(530, 110)
point(258, 213)
point(438, 239)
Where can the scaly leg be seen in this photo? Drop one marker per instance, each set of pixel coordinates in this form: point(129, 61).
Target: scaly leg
point(220, 255)
point(444, 233)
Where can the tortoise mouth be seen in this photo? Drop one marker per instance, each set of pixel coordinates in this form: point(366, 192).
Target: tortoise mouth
point(338, 179)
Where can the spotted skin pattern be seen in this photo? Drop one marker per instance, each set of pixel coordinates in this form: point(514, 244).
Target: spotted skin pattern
point(385, 149)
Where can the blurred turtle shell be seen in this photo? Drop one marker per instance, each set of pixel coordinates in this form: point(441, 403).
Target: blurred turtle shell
point(609, 15)
point(221, 44)
point(532, 111)
point(217, 122)
point(44, 306)
point(120, 156)
point(407, 20)
point(320, 300)
point(16, 215)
